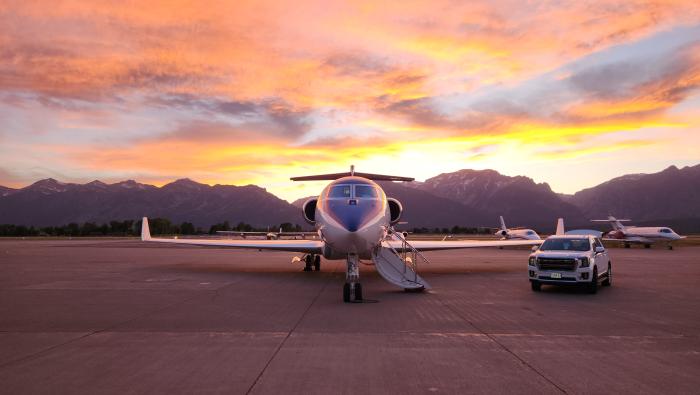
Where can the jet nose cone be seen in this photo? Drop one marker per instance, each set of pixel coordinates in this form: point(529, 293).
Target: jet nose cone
point(351, 224)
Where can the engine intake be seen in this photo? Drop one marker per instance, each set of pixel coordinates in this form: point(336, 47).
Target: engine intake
point(395, 210)
point(309, 211)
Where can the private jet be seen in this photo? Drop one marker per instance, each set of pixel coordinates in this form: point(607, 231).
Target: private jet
point(354, 221)
point(515, 233)
point(638, 235)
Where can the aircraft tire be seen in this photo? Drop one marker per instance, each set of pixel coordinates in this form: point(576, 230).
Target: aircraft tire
point(346, 293)
point(358, 292)
point(536, 286)
point(317, 263)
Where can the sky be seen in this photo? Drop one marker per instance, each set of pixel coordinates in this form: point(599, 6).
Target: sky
point(571, 93)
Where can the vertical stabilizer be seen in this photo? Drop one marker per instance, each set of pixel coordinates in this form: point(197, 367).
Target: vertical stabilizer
point(503, 223)
point(616, 224)
point(560, 226)
point(145, 230)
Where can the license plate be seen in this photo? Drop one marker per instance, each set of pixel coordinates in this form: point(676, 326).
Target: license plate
point(555, 275)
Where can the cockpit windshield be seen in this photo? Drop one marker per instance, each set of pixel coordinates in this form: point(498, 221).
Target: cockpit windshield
point(340, 191)
point(365, 191)
point(566, 245)
point(665, 230)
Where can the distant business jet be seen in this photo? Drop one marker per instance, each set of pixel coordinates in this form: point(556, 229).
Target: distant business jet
point(638, 235)
point(515, 233)
point(354, 220)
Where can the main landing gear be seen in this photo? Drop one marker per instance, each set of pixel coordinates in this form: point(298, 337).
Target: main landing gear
point(312, 262)
point(352, 290)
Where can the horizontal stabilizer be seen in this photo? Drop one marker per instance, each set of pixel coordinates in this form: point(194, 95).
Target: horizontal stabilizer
point(611, 220)
point(335, 176)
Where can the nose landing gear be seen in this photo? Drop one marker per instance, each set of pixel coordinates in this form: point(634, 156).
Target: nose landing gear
point(352, 290)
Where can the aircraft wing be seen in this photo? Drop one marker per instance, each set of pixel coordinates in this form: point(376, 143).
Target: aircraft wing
point(428, 245)
point(239, 233)
point(305, 246)
point(641, 240)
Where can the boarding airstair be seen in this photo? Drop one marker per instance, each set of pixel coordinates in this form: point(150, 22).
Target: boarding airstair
point(399, 267)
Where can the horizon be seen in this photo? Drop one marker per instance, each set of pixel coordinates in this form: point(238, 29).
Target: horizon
point(239, 94)
point(112, 182)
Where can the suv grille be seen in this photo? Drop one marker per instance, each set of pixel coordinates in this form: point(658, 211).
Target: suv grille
point(556, 263)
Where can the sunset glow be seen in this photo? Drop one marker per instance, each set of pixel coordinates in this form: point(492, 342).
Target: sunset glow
point(255, 92)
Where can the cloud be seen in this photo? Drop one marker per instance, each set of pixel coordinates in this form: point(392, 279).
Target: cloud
point(247, 89)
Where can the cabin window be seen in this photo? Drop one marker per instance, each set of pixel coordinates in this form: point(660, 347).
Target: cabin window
point(365, 191)
point(340, 191)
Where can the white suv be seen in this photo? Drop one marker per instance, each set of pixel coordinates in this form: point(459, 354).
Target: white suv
point(570, 259)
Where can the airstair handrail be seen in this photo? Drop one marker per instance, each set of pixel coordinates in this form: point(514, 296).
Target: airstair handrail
point(406, 246)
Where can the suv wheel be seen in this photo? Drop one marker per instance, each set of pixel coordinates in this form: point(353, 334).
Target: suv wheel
point(536, 286)
point(593, 286)
point(608, 279)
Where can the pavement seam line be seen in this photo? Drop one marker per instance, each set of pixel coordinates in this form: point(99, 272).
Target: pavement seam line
point(289, 333)
point(509, 351)
point(51, 348)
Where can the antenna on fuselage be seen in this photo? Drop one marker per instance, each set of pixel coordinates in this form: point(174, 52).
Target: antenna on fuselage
point(352, 170)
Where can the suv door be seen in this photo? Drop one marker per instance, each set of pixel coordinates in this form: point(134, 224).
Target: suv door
point(601, 258)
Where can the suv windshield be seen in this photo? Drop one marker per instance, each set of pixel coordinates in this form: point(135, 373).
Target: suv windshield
point(566, 245)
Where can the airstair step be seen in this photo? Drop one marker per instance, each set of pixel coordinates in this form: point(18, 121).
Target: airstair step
point(393, 269)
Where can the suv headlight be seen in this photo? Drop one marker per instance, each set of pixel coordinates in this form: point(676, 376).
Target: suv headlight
point(584, 262)
point(532, 261)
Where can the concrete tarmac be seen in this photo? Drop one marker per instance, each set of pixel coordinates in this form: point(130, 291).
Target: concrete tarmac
point(121, 316)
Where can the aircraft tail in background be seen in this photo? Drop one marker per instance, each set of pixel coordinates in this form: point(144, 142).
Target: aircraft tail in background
point(503, 224)
point(614, 222)
point(560, 227)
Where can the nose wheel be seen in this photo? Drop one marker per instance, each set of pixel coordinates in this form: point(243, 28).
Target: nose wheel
point(352, 293)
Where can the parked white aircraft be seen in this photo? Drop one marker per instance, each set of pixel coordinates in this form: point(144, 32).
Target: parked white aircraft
point(515, 233)
point(638, 235)
point(354, 220)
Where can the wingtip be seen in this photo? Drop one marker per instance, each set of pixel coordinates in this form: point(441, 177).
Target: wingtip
point(145, 230)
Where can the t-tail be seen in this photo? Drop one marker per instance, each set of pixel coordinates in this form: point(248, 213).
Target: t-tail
point(351, 173)
point(560, 227)
point(503, 224)
point(145, 230)
point(614, 222)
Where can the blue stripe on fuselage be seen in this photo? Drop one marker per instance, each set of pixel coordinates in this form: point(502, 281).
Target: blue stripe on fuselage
point(353, 217)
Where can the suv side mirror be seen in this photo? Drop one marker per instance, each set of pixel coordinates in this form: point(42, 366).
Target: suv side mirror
point(599, 250)
point(535, 248)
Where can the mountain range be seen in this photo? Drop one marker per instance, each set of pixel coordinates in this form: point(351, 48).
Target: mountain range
point(464, 198)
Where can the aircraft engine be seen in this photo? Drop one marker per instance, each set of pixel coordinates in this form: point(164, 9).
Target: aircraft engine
point(503, 233)
point(309, 211)
point(395, 209)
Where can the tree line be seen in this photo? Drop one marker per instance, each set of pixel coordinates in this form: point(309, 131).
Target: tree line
point(163, 226)
point(157, 226)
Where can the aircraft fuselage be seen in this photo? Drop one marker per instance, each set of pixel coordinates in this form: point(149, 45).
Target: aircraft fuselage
point(352, 217)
